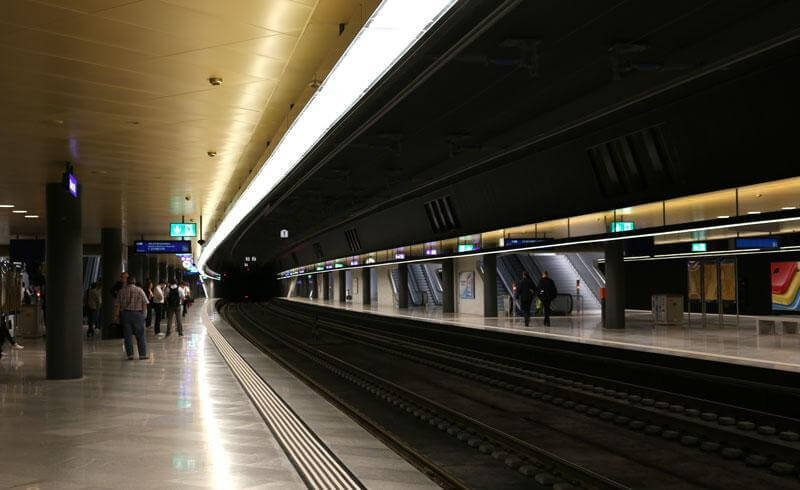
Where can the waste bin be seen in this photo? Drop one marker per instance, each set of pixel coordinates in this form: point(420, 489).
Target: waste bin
point(667, 309)
point(30, 322)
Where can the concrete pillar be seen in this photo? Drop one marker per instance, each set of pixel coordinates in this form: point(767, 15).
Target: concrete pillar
point(111, 262)
point(152, 268)
point(162, 270)
point(135, 265)
point(326, 286)
point(615, 285)
point(490, 285)
point(64, 347)
point(448, 286)
point(342, 286)
point(170, 273)
point(402, 286)
point(366, 286)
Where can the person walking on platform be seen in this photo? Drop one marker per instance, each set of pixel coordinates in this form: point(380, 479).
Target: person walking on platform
point(525, 292)
point(94, 301)
point(174, 300)
point(5, 335)
point(148, 291)
point(158, 305)
point(132, 304)
point(547, 293)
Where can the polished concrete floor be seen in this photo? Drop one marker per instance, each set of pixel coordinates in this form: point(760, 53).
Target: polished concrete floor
point(736, 342)
point(176, 420)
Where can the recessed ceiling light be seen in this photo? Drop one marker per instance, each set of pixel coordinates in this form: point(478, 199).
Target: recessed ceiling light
point(788, 208)
point(754, 212)
point(723, 216)
point(31, 216)
point(6, 205)
point(19, 211)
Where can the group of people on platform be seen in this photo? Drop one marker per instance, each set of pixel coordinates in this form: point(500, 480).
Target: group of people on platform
point(526, 290)
point(137, 307)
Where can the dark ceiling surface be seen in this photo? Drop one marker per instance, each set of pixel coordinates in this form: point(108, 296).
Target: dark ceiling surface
point(498, 82)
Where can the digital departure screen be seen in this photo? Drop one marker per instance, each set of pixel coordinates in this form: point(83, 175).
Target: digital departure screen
point(162, 247)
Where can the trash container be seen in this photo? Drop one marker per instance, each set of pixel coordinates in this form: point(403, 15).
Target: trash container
point(30, 322)
point(667, 309)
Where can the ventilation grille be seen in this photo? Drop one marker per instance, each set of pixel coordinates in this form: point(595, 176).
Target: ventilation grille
point(352, 240)
point(318, 251)
point(441, 214)
point(633, 162)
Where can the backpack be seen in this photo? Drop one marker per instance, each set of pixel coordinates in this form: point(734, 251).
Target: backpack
point(173, 298)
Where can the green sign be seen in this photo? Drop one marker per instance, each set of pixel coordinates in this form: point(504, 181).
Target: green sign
point(183, 229)
point(699, 247)
point(619, 226)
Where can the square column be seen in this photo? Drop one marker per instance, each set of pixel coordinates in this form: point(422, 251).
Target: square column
point(326, 286)
point(490, 285)
point(342, 286)
point(402, 286)
point(111, 263)
point(615, 285)
point(448, 286)
point(366, 286)
point(64, 344)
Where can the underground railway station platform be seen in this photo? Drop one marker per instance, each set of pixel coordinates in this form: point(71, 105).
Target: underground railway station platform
point(737, 341)
point(484, 244)
point(205, 410)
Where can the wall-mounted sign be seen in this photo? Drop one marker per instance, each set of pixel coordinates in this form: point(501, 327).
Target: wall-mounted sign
point(519, 242)
point(466, 247)
point(699, 247)
point(72, 185)
point(620, 226)
point(183, 229)
point(757, 243)
point(162, 247)
point(284, 233)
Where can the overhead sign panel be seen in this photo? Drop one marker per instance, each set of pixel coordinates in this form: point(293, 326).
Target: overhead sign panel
point(162, 247)
point(621, 226)
point(183, 229)
point(757, 243)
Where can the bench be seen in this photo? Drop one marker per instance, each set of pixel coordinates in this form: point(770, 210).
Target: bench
point(776, 325)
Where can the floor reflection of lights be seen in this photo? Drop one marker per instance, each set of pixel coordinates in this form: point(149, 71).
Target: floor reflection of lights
point(219, 456)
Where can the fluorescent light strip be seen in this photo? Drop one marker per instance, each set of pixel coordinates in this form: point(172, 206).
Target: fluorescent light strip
point(19, 211)
point(581, 242)
point(391, 30)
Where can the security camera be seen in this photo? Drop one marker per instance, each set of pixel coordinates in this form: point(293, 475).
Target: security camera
point(215, 81)
point(188, 198)
point(201, 242)
point(211, 154)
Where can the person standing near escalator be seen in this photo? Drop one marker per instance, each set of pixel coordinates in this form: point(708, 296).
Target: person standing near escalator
point(526, 291)
point(547, 292)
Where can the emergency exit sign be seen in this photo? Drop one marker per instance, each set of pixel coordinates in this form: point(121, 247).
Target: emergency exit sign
point(620, 226)
point(182, 229)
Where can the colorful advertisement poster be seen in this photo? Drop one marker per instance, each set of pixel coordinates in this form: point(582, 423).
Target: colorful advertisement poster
point(466, 284)
point(785, 286)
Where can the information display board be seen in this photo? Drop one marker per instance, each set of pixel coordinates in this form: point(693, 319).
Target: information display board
point(162, 247)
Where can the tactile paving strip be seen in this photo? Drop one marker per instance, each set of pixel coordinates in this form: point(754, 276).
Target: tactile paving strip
point(314, 461)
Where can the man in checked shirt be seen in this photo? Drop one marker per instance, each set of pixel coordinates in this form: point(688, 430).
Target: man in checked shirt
point(132, 307)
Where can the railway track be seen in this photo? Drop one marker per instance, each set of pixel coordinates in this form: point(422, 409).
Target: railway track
point(608, 434)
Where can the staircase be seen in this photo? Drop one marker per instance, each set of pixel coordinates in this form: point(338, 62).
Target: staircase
point(564, 275)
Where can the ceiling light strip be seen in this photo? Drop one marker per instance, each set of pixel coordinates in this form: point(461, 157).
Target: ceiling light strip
point(393, 28)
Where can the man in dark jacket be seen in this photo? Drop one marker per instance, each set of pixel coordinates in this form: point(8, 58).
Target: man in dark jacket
point(526, 290)
point(547, 293)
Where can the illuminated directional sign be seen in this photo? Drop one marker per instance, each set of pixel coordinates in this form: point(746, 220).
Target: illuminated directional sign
point(183, 229)
point(699, 247)
point(619, 226)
